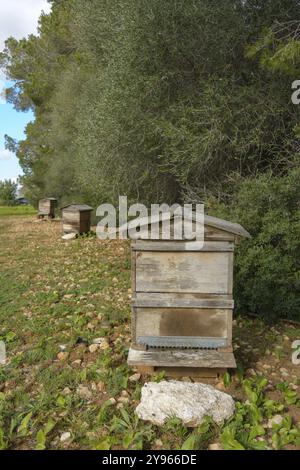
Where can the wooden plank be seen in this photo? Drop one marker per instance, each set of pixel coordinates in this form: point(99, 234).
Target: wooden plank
point(214, 234)
point(230, 273)
point(144, 370)
point(229, 327)
point(140, 245)
point(181, 322)
point(133, 272)
point(167, 296)
point(197, 272)
point(181, 358)
point(72, 217)
point(194, 372)
point(71, 228)
point(133, 289)
point(209, 221)
point(182, 342)
point(183, 303)
point(210, 233)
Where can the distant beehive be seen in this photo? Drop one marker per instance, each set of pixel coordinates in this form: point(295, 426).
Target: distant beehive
point(76, 218)
point(182, 300)
point(47, 207)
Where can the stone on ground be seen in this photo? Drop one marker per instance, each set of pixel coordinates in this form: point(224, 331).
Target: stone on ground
point(190, 402)
point(69, 236)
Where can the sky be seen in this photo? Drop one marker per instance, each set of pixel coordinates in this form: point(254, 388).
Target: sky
point(18, 18)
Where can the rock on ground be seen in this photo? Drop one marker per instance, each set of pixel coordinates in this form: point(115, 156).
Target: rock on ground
point(69, 236)
point(190, 402)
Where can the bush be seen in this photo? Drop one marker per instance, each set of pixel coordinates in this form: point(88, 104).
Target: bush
point(8, 193)
point(267, 268)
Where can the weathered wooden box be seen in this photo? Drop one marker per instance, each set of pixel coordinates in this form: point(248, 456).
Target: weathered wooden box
point(182, 301)
point(76, 218)
point(47, 207)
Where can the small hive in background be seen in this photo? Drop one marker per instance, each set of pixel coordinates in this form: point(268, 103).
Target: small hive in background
point(182, 301)
point(76, 218)
point(47, 208)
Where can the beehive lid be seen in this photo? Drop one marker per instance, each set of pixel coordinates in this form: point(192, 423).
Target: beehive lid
point(209, 221)
point(48, 199)
point(77, 208)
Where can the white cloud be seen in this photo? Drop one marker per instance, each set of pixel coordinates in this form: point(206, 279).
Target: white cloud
point(5, 155)
point(19, 18)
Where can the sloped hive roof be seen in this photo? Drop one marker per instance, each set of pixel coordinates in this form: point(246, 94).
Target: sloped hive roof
point(209, 221)
point(77, 207)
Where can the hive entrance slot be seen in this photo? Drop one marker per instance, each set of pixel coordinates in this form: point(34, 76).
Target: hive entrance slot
point(185, 342)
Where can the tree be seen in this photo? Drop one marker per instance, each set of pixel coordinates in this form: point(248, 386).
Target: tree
point(160, 101)
point(8, 193)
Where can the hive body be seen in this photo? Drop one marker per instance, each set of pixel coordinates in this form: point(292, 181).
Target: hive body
point(47, 207)
point(182, 301)
point(76, 218)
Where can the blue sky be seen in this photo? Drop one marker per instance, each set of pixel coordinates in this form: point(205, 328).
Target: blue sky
point(18, 18)
point(13, 124)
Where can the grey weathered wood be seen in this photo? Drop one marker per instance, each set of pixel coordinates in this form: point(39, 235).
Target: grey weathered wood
point(47, 207)
point(157, 296)
point(76, 218)
point(184, 303)
point(182, 295)
point(182, 322)
point(209, 221)
point(198, 272)
point(200, 342)
point(164, 246)
point(181, 358)
point(214, 234)
point(226, 226)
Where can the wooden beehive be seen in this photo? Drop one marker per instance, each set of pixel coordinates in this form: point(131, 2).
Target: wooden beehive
point(182, 301)
point(76, 218)
point(47, 207)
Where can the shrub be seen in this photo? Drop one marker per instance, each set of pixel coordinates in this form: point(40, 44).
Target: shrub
point(267, 269)
point(8, 193)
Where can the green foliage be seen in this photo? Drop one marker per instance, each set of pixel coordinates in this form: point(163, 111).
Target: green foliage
point(16, 210)
point(198, 439)
point(134, 432)
point(41, 436)
point(267, 280)
point(156, 100)
point(246, 430)
point(8, 193)
point(290, 396)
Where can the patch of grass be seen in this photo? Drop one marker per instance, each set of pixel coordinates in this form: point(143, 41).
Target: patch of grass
point(17, 210)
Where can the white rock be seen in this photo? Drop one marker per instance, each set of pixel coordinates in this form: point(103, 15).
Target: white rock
point(134, 378)
point(84, 392)
point(158, 443)
point(215, 446)
point(112, 401)
point(65, 436)
point(101, 386)
point(69, 236)
point(99, 340)
point(275, 421)
point(104, 345)
point(190, 402)
point(93, 348)
point(123, 400)
point(294, 386)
